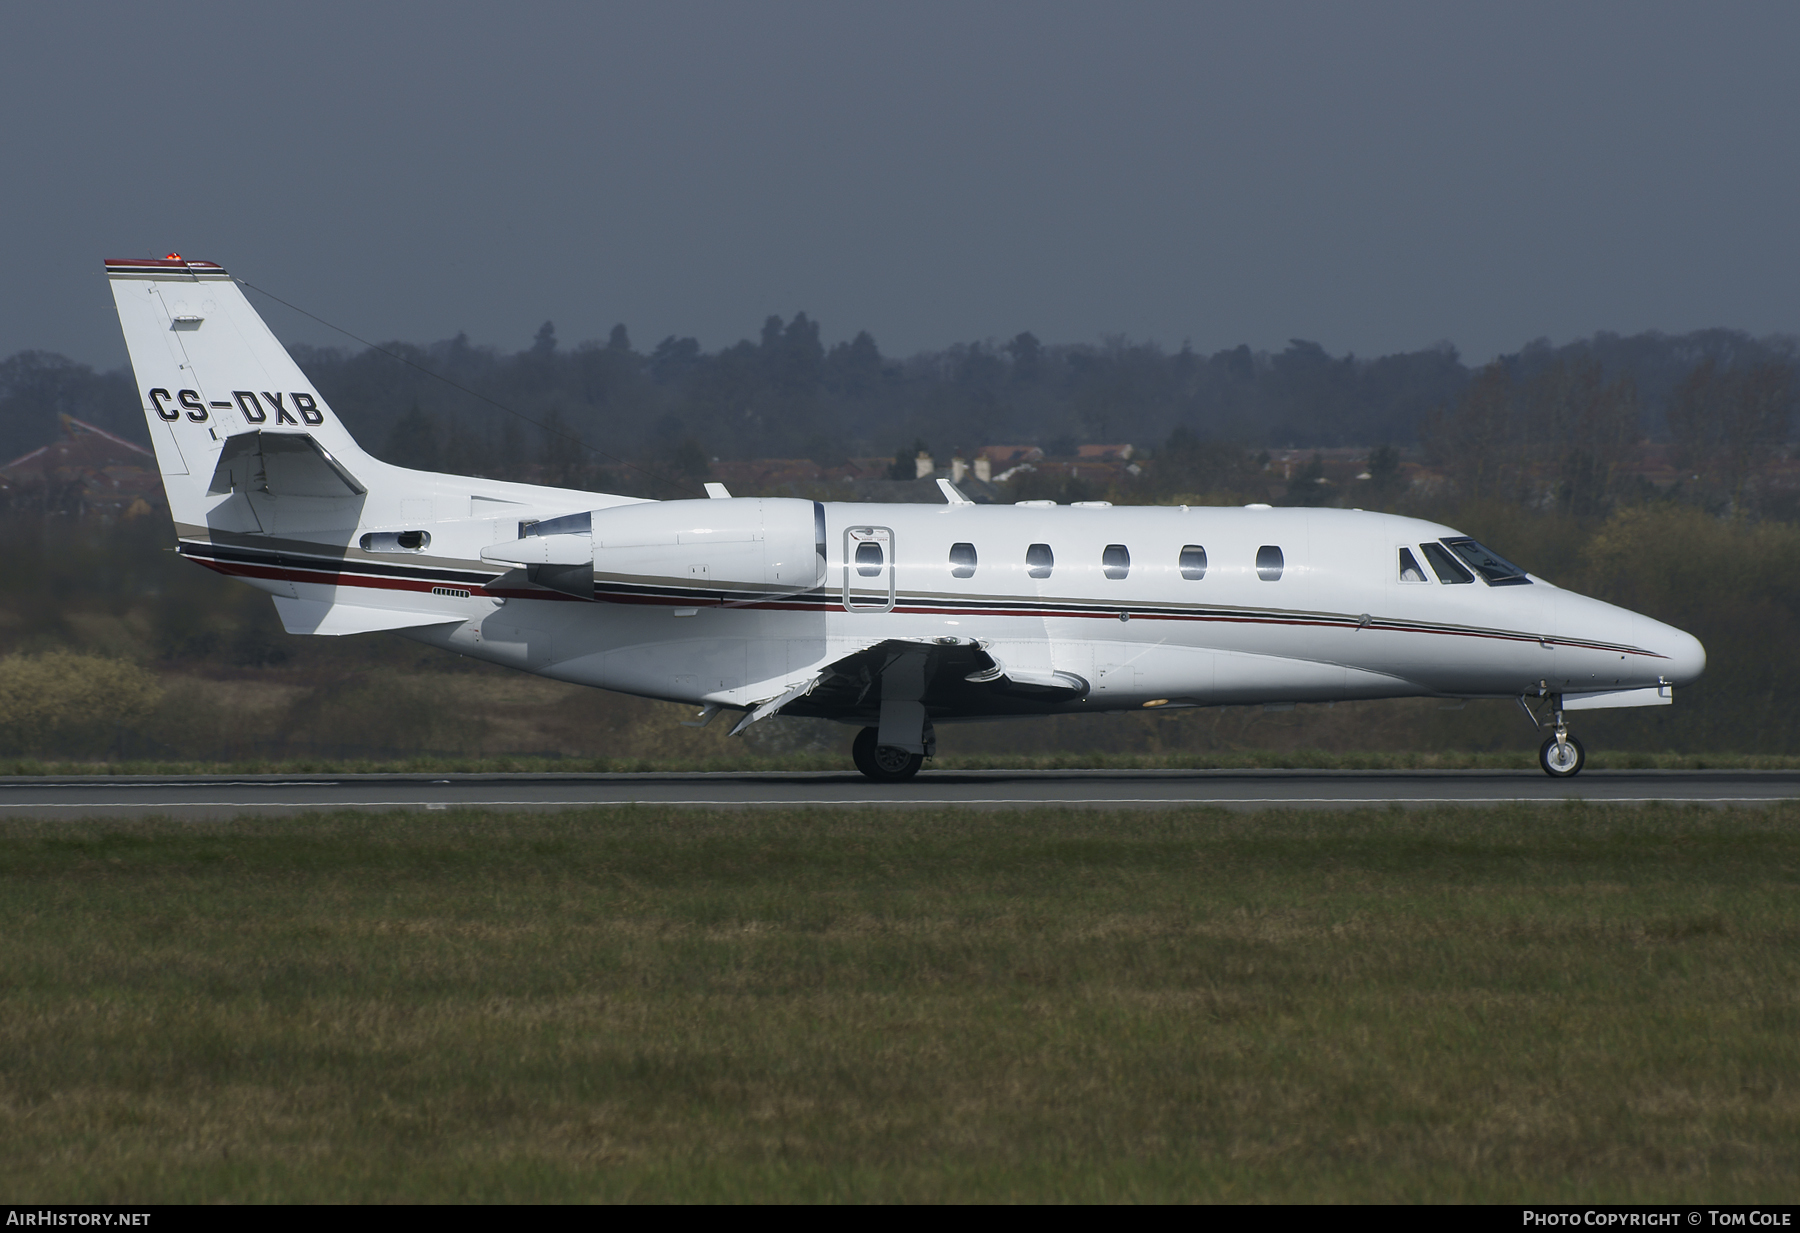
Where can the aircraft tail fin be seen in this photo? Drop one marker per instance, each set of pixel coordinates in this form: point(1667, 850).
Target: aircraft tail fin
point(208, 370)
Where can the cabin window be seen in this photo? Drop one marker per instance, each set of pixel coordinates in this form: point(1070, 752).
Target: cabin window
point(1115, 559)
point(1449, 570)
point(868, 560)
point(396, 541)
point(1039, 561)
point(1494, 569)
point(1193, 562)
point(962, 560)
point(1269, 563)
point(1409, 567)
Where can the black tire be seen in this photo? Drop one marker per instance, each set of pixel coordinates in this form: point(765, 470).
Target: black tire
point(1564, 763)
point(883, 763)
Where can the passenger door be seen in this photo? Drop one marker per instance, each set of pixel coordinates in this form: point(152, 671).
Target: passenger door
point(868, 569)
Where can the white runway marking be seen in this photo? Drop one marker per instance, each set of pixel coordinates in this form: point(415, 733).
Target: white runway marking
point(967, 801)
point(186, 797)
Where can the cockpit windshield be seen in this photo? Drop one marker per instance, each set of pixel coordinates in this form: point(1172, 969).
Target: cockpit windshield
point(1449, 570)
point(1494, 569)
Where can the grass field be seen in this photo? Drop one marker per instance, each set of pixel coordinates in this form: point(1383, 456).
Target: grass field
point(1504, 1004)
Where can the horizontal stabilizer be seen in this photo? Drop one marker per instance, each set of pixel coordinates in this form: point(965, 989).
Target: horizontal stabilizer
point(311, 616)
point(1656, 695)
point(282, 464)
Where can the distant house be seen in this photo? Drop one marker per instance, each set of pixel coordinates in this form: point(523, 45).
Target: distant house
point(1009, 455)
point(1004, 460)
point(1104, 453)
point(89, 471)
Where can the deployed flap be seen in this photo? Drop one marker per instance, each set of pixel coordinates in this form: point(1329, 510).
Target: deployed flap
point(282, 464)
point(766, 709)
point(311, 616)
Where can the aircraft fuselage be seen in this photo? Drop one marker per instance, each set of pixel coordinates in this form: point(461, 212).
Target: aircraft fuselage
point(1116, 600)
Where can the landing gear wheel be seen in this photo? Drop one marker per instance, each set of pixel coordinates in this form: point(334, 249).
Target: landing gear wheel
point(1562, 756)
point(883, 763)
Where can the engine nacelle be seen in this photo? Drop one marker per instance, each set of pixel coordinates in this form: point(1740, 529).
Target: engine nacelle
point(678, 552)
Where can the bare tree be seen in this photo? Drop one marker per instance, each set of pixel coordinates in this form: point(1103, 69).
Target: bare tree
point(1758, 403)
point(1690, 418)
point(1559, 438)
point(1579, 429)
point(1727, 421)
point(1475, 440)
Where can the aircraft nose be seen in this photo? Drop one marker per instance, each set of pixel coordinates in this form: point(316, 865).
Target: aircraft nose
point(1686, 658)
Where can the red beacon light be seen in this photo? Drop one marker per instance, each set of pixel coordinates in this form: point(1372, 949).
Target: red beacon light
point(173, 257)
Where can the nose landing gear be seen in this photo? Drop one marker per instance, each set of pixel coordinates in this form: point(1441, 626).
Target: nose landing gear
point(1561, 755)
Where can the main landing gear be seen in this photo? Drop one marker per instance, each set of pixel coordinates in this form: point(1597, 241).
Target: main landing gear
point(883, 763)
point(1561, 755)
point(897, 746)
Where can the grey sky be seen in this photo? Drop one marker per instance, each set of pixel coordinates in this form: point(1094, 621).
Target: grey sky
point(1373, 177)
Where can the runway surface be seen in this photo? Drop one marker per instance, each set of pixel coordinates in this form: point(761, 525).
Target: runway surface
point(208, 796)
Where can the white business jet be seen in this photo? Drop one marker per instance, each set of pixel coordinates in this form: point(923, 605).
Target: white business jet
point(892, 618)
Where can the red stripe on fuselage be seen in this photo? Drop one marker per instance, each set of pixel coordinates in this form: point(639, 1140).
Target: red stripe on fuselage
point(240, 569)
point(329, 577)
